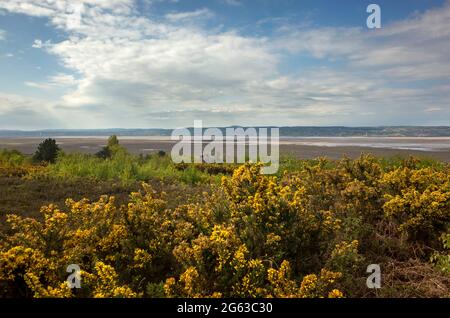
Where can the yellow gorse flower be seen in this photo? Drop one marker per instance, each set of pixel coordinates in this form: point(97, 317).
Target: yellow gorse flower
point(301, 234)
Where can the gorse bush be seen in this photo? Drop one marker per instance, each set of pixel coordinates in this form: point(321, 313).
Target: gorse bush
point(307, 233)
point(420, 201)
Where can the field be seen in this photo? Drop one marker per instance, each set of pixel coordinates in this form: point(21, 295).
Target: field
point(141, 226)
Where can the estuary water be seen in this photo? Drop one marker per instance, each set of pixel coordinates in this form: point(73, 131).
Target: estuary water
point(401, 143)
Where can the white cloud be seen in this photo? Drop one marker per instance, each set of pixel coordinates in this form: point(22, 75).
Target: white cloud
point(413, 49)
point(2, 34)
point(18, 112)
point(37, 44)
point(51, 8)
point(59, 80)
point(137, 72)
point(192, 15)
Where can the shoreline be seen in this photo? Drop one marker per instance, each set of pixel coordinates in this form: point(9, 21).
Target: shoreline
point(298, 147)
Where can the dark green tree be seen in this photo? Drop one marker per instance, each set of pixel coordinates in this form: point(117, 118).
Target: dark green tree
point(105, 153)
point(47, 151)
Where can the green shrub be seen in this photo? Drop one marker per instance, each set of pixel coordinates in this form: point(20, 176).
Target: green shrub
point(12, 158)
point(47, 151)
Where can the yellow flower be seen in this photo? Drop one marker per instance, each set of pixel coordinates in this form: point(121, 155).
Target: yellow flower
point(335, 293)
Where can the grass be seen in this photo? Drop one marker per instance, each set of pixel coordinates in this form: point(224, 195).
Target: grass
point(122, 166)
point(13, 158)
point(125, 167)
point(129, 168)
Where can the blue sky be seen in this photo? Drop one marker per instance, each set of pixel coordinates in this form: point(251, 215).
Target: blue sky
point(166, 63)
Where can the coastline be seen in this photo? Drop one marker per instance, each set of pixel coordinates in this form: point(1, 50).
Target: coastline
point(300, 147)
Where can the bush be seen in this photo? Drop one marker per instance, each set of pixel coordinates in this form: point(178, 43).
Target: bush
point(194, 249)
point(105, 153)
point(47, 151)
point(111, 148)
point(12, 158)
point(308, 233)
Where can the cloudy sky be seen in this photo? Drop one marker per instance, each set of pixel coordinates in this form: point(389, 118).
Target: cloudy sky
point(164, 63)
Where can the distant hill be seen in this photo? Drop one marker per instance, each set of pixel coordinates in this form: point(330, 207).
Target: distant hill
point(294, 131)
point(385, 131)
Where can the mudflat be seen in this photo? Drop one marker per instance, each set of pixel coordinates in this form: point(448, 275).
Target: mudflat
point(302, 148)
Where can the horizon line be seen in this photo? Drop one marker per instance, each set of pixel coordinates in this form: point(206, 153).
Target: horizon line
point(229, 126)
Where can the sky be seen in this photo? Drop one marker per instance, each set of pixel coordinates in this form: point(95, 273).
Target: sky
point(165, 63)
